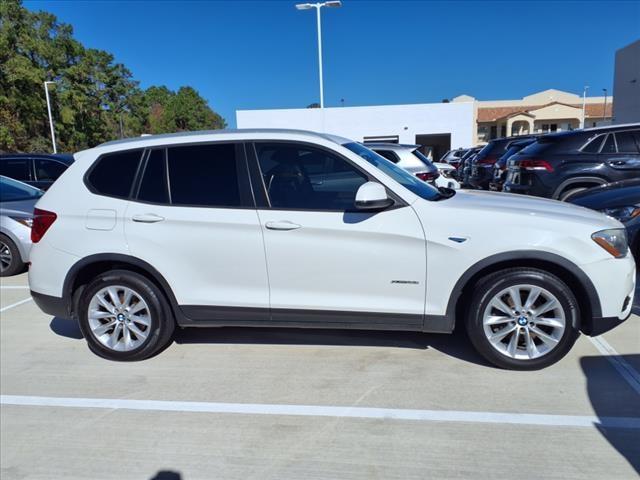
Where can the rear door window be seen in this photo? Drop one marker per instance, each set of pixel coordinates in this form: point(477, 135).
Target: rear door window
point(16, 168)
point(627, 142)
point(113, 174)
point(48, 170)
point(204, 175)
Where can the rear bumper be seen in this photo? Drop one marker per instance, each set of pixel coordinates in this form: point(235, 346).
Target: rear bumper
point(481, 177)
point(56, 306)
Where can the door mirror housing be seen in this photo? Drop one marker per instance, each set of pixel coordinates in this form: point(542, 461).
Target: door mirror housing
point(372, 196)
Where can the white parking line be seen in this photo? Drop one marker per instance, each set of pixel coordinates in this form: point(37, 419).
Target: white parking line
point(8, 307)
point(629, 373)
point(326, 411)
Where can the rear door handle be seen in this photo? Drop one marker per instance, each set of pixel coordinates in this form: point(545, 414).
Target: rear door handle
point(147, 218)
point(282, 225)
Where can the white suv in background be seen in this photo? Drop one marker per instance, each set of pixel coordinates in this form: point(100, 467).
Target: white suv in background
point(298, 229)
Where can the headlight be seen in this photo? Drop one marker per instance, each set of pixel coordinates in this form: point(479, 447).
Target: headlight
point(613, 241)
point(623, 214)
point(26, 221)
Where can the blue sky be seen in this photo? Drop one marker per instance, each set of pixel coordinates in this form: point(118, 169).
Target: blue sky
point(254, 55)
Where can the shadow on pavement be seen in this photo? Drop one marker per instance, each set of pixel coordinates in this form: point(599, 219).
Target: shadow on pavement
point(166, 475)
point(612, 396)
point(66, 328)
point(456, 345)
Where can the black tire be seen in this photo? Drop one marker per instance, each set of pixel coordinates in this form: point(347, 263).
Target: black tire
point(570, 192)
point(162, 323)
point(492, 285)
point(16, 265)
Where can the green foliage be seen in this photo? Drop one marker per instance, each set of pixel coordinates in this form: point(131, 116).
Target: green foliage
point(93, 99)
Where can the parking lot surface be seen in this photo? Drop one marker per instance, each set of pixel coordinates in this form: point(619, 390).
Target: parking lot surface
point(315, 404)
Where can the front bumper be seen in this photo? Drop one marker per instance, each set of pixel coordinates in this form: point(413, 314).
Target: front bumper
point(615, 282)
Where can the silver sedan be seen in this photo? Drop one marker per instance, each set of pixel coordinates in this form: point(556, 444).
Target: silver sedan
point(17, 201)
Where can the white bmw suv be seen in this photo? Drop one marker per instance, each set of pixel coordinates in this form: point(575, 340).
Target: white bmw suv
point(299, 229)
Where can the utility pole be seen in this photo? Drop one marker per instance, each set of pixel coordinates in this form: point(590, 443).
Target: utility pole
point(53, 133)
point(318, 6)
point(584, 104)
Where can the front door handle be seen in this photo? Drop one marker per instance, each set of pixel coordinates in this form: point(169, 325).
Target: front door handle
point(147, 218)
point(282, 225)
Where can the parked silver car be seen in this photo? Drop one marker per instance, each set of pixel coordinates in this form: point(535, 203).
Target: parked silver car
point(410, 158)
point(17, 201)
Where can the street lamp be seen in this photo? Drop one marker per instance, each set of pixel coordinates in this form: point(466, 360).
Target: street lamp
point(604, 109)
point(584, 101)
point(53, 133)
point(318, 6)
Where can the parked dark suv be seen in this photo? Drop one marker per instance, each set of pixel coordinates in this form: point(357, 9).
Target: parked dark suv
point(481, 173)
point(559, 165)
point(500, 167)
point(39, 170)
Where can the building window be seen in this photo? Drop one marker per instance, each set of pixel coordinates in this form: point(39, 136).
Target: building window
point(382, 139)
point(503, 131)
point(494, 132)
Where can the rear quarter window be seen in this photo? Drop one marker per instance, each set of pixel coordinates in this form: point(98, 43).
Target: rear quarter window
point(113, 173)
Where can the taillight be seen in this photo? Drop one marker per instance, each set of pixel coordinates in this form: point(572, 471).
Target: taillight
point(427, 176)
point(532, 164)
point(42, 220)
point(487, 160)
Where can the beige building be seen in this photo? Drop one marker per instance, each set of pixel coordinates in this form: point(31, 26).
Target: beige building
point(546, 111)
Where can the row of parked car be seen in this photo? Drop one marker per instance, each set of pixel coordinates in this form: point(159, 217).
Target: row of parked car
point(597, 168)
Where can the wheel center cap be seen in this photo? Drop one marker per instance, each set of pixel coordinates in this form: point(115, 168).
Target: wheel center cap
point(120, 317)
point(522, 321)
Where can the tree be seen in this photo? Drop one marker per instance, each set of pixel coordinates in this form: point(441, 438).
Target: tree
point(94, 99)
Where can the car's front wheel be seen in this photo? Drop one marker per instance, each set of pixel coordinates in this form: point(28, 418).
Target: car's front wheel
point(522, 318)
point(124, 316)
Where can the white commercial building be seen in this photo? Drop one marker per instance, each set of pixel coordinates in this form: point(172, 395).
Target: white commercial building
point(436, 126)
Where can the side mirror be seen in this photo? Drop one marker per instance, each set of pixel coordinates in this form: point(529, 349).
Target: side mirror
point(372, 196)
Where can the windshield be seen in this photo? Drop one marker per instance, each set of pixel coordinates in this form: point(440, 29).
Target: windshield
point(404, 178)
point(12, 190)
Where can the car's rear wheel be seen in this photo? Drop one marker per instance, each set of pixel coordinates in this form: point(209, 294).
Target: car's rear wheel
point(10, 261)
point(570, 192)
point(124, 316)
point(523, 318)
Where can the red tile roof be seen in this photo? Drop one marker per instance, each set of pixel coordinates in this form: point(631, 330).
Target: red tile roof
point(491, 114)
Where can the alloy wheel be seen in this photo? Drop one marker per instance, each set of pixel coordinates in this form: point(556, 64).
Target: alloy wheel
point(5, 257)
point(119, 318)
point(524, 322)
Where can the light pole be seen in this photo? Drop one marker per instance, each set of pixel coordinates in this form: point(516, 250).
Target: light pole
point(604, 109)
point(53, 133)
point(584, 102)
point(318, 6)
